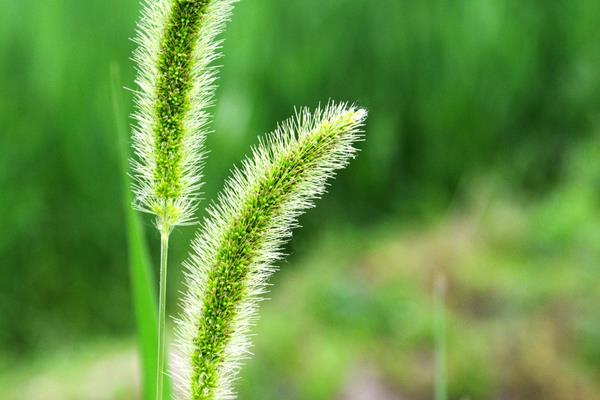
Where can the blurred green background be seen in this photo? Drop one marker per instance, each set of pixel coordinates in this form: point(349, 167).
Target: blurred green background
point(481, 168)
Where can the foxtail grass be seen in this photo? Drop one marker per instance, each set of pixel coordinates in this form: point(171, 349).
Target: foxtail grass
point(177, 41)
point(241, 239)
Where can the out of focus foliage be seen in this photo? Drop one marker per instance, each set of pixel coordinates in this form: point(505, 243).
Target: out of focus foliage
point(352, 317)
point(457, 92)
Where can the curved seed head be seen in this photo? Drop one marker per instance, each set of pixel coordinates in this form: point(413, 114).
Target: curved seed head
point(241, 239)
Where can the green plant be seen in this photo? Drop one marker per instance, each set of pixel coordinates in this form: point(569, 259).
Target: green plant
point(439, 332)
point(140, 270)
point(234, 252)
point(176, 44)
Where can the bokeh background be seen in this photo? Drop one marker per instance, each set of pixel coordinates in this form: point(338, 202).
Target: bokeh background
point(481, 170)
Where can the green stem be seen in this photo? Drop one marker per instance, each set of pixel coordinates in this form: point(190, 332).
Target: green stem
point(162, 302)
point(441, 383)
point(140, 266)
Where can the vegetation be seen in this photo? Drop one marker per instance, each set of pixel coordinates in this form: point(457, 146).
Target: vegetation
point(176, 45)
point(480, 162)
point(510, 333)
point(240, 241)
point(245, 230)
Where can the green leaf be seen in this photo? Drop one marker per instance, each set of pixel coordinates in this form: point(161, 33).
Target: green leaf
point(140, 266)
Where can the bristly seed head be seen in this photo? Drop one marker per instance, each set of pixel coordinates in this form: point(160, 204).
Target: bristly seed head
point(234, 253)
point(177, 42)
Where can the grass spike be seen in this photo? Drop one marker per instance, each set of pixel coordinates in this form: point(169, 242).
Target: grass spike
point(177, 43)
point(235, 251)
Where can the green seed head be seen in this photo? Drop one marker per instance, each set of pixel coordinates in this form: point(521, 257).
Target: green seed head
point(233, 255)
point(177, 41)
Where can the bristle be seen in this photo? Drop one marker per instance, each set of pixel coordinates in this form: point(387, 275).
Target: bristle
point(177, 42)
point(235, 251)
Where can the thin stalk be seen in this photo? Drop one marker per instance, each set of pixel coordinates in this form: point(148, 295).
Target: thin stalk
point(140, 266)
point(441, 382)
point(162, 302)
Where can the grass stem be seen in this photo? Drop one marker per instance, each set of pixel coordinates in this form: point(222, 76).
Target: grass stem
point(162, 302)
point(140, 266)
point(441, 378)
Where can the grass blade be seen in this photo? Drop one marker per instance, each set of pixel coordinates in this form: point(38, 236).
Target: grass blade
point(140, 267)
